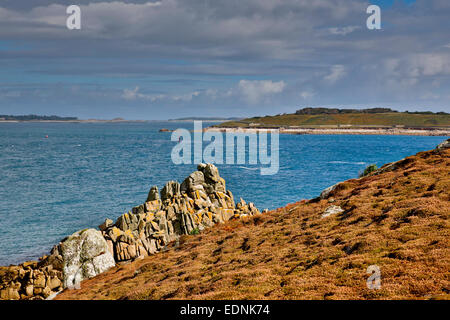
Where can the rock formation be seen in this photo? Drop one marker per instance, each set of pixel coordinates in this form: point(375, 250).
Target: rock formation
point(30, 280)
point(444, 145)
point(85, 254)
point(200, 201)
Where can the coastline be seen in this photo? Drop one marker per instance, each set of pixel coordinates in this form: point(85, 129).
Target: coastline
point(199, 203)
point(339, 131)
point(341, 232)
point(71, 121)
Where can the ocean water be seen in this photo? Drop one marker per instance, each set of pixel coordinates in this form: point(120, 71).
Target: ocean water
point(86, 172)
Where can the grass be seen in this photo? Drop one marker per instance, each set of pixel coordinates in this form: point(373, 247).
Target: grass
point(398, 220)
point(336, 120)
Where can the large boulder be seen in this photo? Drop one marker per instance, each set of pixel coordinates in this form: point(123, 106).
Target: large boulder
point(332, 210)
point(85, 254)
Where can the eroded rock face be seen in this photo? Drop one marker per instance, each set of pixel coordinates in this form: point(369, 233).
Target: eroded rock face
point(198, 203)
point(85, 254)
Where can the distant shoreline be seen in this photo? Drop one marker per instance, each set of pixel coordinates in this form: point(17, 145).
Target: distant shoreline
point(338, 131)
point(72, 121)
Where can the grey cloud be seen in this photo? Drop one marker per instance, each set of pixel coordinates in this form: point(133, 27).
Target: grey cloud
point(319, 49)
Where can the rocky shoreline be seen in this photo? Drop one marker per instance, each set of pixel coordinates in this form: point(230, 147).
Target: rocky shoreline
point(394, 218)
point(352, 131)
point(201, 201)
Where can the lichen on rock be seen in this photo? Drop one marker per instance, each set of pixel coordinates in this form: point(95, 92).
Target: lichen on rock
point(85, 254)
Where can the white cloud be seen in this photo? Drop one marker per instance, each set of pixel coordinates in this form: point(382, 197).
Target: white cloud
point(186, 97)
point(307, 95)
point(418, 65)
point(130, 94)
point(252, 91)
point(343, 31)
point(134, 94)
point(255, 90)
point(337, 72)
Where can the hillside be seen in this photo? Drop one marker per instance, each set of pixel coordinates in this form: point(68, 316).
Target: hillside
point(326, 117)
point(396, 218)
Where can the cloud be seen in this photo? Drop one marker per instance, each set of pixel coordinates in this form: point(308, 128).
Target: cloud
point(130, 94)
point(251, 91)
point(255, 90)
point(134, 94)
point(307, 95)
point(193, 54)
point(336, 72)
point(344, 30)
point(419, 65)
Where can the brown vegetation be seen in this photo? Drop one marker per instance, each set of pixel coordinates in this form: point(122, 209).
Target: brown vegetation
point(397, 220)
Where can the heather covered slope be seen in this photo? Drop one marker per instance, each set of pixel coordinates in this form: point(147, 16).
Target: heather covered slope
point(397, 219)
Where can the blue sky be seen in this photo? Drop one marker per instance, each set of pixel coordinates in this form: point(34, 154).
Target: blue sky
point(176, 58)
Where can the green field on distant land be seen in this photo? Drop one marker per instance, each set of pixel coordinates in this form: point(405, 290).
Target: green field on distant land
point(353, 119)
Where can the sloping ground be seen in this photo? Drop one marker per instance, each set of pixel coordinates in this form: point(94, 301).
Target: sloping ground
point(397, 220)
point(358, 119)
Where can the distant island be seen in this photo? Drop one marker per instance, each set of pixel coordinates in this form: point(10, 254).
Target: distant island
point(53, 118)
point(348, 121)
point(34, 117)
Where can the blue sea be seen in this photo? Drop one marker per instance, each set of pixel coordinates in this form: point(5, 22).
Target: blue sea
point(85, 172)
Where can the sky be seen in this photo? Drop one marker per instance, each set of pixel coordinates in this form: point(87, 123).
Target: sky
point(221, 58)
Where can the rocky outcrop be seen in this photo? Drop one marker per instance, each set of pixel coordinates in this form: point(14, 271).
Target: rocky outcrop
point(444, 145)
point(30, 280)
point(199, 202)
point(327, 192)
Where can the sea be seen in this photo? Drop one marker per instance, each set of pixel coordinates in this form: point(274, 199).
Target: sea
point(57, 178)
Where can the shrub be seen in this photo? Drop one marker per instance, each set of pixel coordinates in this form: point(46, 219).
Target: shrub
point(194, 232)
point(371, 168)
